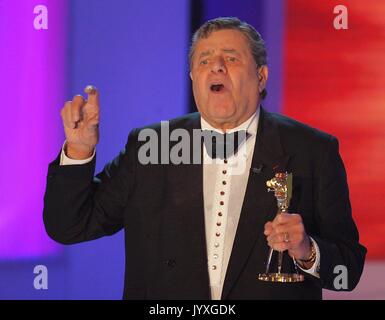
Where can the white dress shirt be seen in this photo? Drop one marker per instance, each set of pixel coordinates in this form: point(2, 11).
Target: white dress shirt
point(224, 187)
point(224, 190)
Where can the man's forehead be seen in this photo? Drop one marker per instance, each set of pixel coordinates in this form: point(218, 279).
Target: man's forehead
point(225, 40)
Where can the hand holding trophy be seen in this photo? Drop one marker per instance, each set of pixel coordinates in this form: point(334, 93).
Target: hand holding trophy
point(281, 184)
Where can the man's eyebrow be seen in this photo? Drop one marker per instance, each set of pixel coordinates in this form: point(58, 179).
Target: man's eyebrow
point(231, 51)
point(225, 50)
point(205, 53)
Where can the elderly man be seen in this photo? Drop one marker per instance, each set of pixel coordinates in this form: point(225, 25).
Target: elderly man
point(200, 230)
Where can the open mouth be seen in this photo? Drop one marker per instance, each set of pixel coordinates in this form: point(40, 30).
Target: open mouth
point(217, 87)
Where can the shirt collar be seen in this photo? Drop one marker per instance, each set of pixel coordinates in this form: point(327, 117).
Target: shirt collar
point(250, 125)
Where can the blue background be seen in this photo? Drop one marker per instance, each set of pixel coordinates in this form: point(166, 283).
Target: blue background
point(135, 52)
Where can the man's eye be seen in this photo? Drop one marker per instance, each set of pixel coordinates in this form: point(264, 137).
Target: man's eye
point(204, 62)
point(232, 59)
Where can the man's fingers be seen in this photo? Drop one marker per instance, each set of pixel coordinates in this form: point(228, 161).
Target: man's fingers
point(66, 115)
point(286, 219)
point(268, 228)
point(289, 229)
point(91, 109)
point(76, 108)
point(286, 232)
point(282, 218)
point(94, 121)
point(93, 95)
point(282, 246)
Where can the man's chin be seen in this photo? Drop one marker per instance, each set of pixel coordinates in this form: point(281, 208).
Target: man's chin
point(221, 111)
point(222, 117)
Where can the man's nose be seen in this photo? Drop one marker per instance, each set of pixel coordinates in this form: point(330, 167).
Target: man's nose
point(219, 66)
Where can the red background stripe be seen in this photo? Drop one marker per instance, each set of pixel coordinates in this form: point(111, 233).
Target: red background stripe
point(334, 80)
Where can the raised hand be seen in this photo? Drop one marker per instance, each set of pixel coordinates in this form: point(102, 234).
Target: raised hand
point(81, 124)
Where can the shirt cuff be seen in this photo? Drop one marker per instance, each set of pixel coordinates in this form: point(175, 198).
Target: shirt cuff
point(65, 161)
point(314, 270)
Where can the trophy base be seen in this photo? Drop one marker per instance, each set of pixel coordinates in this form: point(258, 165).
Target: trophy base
point(281, 277)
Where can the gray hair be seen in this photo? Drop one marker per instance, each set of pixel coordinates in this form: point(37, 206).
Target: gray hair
point(256, 43)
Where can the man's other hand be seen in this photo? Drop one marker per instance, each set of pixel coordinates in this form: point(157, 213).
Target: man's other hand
point(81, 124)
point(287, 232)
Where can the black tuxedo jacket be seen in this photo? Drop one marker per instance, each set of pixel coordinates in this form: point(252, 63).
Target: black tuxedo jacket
point(161, 210)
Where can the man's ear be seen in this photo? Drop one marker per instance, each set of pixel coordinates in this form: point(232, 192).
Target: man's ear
point(263, 74)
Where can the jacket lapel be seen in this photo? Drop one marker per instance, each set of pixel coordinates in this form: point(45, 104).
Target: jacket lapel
point(259, 205)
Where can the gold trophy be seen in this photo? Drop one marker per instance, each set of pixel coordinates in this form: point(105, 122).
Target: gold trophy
point(281, 184)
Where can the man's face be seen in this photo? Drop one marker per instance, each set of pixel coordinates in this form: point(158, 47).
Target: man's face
point(225, 79)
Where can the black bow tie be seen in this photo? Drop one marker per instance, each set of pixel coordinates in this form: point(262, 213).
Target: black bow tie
point(223, 146)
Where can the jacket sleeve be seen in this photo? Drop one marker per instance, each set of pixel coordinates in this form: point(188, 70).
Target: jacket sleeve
point(337, 238)
point(80, 207)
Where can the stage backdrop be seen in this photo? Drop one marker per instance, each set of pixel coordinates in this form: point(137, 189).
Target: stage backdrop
point(32, 89)
point(334, 80)
point(135, 52)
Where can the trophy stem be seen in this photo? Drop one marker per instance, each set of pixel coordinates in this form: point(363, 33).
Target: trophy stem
point(282, 209)
point(280, 258)
point(269, 260)
point(295, 265)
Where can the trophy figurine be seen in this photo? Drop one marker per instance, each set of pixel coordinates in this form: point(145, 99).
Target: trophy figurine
point(281, 184)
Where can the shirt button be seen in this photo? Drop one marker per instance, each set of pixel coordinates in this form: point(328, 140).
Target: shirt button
point(220, 214)
point(214, 267)
point(221, 203)
point(224, 183)
point(224, 171)
point(216, 244)
point(215, 256)
point(218, 224)
point(217, 234)
point(225, 161)
point(222, 193)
